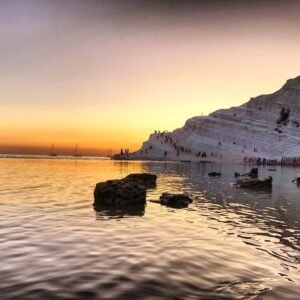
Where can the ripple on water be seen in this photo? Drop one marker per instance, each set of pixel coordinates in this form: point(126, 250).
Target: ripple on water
point(229, 244)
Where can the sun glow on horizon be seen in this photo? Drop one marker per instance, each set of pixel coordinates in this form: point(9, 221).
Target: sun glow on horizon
point(92, 75)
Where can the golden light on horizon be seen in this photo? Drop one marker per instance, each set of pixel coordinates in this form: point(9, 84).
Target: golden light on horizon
point(109, 83)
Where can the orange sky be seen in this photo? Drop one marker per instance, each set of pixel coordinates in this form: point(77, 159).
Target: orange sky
point(74, 73)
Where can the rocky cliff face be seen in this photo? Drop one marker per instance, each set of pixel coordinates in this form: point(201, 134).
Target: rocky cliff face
point(266, 126)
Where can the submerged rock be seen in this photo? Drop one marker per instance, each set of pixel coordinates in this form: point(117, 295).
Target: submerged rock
point(255, 183)
point(148, 180)
point(119, 192)
point(214, 174)
point(253, 173)
point(175, 200)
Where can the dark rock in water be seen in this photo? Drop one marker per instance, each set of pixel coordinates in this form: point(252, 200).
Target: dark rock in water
point(297, 180)
point(214, 174)
point(253, 173)
point(119, 192)
point(272, 170)
point(127, 191)
point(255, 183)
point(175, 200)
point(148, 180)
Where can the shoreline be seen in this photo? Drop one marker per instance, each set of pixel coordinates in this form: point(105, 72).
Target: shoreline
point(133, 157)
point(183, 159)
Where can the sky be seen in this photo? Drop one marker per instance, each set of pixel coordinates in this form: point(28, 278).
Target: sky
point(105, 74)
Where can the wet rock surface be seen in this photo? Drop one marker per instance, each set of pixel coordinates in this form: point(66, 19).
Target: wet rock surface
point(175, 200)
point(119, 192)
point(255, 183)
point(130, 190)
point(146, 179)
point(252, 174)
point(214, 174)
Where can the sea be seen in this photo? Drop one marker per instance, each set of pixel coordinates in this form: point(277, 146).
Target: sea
point(230, 243)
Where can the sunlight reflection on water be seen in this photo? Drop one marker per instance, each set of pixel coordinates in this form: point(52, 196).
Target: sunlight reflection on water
point(229, 244)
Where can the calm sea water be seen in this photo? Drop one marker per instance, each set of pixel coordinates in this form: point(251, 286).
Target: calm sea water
point(229, 244)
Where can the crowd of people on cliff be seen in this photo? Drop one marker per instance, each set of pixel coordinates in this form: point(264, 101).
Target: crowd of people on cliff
point(175, 144)
point(260, 161)
point(167, 139)
point(291, 161)
point(284, 161)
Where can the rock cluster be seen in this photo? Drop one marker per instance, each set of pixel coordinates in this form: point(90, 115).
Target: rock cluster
point(255, 183)
point(252, 181)
point(131, 191)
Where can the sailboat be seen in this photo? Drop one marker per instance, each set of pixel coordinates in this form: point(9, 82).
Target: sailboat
point(52, 153)
point(76, 154)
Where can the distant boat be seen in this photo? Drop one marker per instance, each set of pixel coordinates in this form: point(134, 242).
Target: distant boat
point(76, 154)
point(52, 153)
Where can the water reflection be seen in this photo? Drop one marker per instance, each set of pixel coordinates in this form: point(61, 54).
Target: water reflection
point(104, 211)
point(256, 217)
point(229, 244)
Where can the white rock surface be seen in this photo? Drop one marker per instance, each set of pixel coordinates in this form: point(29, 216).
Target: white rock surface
point(240, 130)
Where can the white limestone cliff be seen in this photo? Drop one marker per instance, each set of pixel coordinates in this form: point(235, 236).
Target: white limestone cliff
point(266, 126)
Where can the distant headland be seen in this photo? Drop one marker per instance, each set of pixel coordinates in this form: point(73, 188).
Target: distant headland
point(264, 128)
